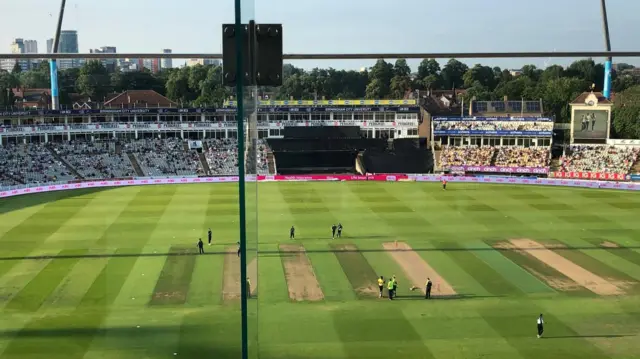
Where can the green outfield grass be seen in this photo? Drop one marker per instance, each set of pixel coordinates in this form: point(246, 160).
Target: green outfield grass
point(114, 273)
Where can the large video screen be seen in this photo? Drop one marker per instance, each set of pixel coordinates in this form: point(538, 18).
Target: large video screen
point(590, 124)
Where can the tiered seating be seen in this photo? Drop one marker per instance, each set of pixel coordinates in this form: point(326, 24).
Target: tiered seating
point(95, 159)
point(222, 156)
point(164, 157)
point(32, 163)
point(600, 159)
point(466, 156)
point(493, 126)
point(522, 157)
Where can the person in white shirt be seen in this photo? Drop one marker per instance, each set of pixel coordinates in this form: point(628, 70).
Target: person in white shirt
point(540, 326)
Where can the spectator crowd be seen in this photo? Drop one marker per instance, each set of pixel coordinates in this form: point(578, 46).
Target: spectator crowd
point(78, 160)
point(600, 159)
point(466, 156)
point(504, 156)
point(493, 126)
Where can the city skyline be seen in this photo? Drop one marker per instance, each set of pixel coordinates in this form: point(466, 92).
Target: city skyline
point(414, 26)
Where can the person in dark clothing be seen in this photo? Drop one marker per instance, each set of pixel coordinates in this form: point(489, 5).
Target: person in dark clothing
point(540, 326)
point(200, 246)
point(428, 289)
point(339, 230)
point(209, 235)
point(239, 249)
point(292, 233)
point(333, 231)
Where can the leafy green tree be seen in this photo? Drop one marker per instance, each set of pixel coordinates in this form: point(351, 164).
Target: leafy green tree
point(556, 95)
point(94, 80)
point(452, 74)
point(8, 81)
point(16, 68)
point(482, 75)
point(380, 76)
point(626, 113)
point(428, 67)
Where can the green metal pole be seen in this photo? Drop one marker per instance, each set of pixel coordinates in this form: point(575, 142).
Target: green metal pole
point(241, 178)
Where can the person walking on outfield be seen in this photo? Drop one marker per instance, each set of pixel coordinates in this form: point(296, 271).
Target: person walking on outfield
point(333, 231)
point(292, 233)
point(339, 230)
point(390, 289)
point(428, 289)
point(239, 247)
point(540, 326)
point(381, 285)
point(444, 184)
point(200, 246)
point(248, 288)
point(209, 235)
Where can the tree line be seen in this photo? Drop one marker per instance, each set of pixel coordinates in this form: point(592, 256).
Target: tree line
point(201, 85)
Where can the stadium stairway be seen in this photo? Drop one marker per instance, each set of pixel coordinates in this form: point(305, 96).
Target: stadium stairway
point(118, 148)
point(135, 164)
point(437, 154)
point(65, 163)
point(204, 163)
point(636, 166)
point(271, 162)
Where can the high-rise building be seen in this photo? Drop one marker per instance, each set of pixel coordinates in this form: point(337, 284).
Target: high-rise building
point(194, 62)
point(167, 63)
point(30, 47)
point(109, 64)
point(152, 65)
point(49, 46)
point(21, 46)
point(68, 45)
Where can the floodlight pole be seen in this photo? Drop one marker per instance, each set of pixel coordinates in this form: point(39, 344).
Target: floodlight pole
point(607, 42)
point(53, 65)
point(239, 30)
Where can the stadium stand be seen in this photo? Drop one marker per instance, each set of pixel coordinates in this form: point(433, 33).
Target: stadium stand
point(599, 159)
point(522, 157)
point(466, 156)
point(164, 157)
point(502, 156)
point(222, 156)
point(94, 160)
point(32, 163)
point(494, 126)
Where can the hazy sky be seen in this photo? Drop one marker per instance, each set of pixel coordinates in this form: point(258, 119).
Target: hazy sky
point(347, 26)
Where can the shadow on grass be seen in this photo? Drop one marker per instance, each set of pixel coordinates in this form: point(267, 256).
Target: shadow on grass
point(286, 253)
point(446, 297)
point(610, 336)
point(195, 341)
point(35, 199)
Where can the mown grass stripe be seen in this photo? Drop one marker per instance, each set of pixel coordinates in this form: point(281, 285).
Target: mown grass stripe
point(491, 280)
point(359, 272)
point(173, 284)
point(515, 274)
point(31, 297)
point(206, 281)
point(520, 332)
point(555, 279)
point(73, 333)
point(588, 262)
point(332, 278)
